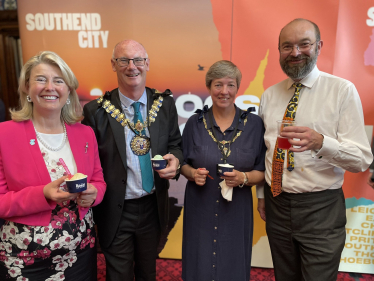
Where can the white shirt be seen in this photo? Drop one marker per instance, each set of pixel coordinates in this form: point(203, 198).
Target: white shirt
point(52, 158)
point(331, 106)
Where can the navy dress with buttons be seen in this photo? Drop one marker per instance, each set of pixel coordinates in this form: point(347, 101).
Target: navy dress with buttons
point(217, 234)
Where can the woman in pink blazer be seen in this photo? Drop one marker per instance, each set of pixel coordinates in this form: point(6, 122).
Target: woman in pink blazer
point(48, 232)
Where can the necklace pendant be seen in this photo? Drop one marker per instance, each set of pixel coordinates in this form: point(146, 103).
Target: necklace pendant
point(225, 149)
point(139, 126)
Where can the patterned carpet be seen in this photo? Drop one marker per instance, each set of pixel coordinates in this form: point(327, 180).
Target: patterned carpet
point(170, 270)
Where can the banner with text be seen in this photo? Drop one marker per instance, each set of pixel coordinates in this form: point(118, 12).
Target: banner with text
point(183, 39)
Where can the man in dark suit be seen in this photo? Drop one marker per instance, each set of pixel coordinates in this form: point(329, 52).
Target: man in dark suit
point(131, 123)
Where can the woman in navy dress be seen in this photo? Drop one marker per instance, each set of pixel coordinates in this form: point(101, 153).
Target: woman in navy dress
point(218, 231)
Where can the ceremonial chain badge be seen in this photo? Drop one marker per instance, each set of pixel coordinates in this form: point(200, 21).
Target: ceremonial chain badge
point(140, 144)
point(222, 144)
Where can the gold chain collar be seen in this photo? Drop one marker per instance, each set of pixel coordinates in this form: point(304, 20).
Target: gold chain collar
point(223, 142)
point(120, 117)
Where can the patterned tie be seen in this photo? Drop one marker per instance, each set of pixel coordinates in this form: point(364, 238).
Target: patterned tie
point(144, 160)
point(278, 156)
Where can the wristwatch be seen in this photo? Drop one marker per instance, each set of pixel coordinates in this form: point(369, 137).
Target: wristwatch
point(245, 180)
point(177, 173)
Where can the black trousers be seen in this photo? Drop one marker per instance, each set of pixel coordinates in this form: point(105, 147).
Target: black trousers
point(134, 248)
point(306, 233)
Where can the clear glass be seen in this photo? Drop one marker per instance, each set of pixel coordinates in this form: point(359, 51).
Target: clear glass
point(125, 61)
point(303, 47)
point(283, 143)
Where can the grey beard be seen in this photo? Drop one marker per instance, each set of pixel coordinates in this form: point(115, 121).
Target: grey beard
point(299, 72)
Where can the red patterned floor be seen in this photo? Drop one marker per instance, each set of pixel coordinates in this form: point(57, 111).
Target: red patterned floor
point(170, 270)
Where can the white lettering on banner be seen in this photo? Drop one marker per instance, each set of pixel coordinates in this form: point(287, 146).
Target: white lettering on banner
point(58, 21)
point(243, 102)
point(67, 22)
point(370, 22)
point(90, 39)
point(88, 25)
point(181, 100)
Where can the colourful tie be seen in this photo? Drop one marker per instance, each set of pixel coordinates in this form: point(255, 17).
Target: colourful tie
point(144, 160)
point(278, 156)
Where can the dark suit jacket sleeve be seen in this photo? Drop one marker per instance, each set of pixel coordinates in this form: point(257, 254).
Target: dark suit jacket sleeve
point(89, 119)
point(175, 140)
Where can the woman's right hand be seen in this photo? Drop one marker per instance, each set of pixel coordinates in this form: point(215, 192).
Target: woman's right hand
point(53, 192)
point(200, 175)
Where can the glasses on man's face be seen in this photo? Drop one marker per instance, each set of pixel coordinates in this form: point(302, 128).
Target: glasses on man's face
point(125, 62)
point(303, 47)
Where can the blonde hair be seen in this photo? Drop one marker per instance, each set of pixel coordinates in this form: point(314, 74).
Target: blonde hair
point(70, 113)
point(221, 69)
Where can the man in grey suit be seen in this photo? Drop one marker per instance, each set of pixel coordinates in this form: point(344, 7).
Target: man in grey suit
point(131, 123)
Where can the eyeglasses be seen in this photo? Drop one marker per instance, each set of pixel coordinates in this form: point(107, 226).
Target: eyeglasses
point(303, 47)
point(125, 62)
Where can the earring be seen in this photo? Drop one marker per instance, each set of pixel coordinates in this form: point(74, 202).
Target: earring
point(68, 101)
point(28, 99)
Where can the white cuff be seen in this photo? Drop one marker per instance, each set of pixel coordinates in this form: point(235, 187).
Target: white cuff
point(328, 150)
point(260, 191)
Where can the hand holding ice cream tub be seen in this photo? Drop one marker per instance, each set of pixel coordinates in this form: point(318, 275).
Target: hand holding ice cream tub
point(158, 162)
point(77, 183)
point(166, 166)
point(87, 192)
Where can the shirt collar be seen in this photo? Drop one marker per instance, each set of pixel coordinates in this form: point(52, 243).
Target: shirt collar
point(127, 102)
point(307, 81)
point(237, 112)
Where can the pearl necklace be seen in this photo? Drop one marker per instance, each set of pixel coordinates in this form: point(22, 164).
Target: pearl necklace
point(40, 139)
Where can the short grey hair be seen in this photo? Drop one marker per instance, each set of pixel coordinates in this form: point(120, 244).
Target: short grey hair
point(221, 69)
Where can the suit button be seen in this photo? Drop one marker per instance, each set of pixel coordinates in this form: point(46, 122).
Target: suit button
point(119, 206)
point(123, 181)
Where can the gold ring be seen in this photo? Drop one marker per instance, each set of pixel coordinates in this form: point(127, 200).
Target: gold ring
point(82, 201)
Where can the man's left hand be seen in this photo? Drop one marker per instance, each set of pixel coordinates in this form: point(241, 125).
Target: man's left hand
point(308, 138)
point(171, 169)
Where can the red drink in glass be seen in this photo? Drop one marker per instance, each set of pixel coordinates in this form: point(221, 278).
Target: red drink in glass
point(283, 143)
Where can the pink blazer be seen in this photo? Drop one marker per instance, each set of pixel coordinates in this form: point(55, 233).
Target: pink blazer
point(23, 173)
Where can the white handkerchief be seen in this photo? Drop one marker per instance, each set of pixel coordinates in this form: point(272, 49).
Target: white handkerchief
point(226, 191)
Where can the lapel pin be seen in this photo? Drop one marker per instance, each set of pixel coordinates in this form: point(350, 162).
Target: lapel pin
point(32, 141)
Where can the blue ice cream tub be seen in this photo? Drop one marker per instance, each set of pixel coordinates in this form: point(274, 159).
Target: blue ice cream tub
point(75, 186)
